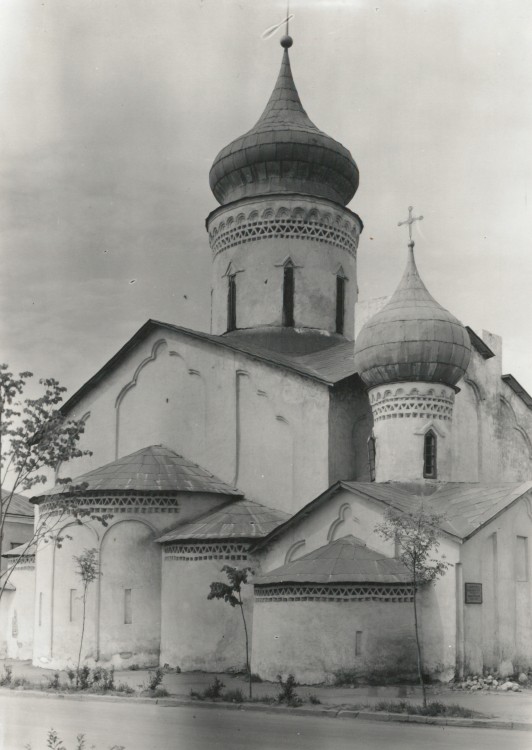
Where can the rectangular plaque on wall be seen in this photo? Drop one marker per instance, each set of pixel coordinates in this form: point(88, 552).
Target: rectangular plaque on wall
point(473, 593)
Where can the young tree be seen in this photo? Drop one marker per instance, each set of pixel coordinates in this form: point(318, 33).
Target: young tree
point(416, 535)
point(232, 593)
point(34, 437)
point(88, 570)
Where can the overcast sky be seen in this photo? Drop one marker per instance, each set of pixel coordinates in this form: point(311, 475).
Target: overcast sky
point(112, 112)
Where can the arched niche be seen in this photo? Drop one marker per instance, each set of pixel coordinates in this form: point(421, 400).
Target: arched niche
point(66, 617)
point(164, 402)
point(467, 434)
point(515, 445)
point(265, 447)
point(129, 593)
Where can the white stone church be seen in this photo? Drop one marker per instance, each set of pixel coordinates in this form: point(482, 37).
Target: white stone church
point(278, 442)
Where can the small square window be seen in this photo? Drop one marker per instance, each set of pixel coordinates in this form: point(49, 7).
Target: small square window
point(128, 612)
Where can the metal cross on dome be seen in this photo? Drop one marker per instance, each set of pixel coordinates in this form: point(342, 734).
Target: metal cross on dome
point(411, 219)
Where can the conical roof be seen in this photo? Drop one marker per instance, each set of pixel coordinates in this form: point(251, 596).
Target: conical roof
point(413, 338)
point(242, 519)
point(343, 561)
point(284, 153)
point(152, 469)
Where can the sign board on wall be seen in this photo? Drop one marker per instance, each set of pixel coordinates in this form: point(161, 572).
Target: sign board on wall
point(473, 593)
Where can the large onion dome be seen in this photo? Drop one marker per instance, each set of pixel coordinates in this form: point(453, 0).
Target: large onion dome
point(284, 153)
point(412, 338)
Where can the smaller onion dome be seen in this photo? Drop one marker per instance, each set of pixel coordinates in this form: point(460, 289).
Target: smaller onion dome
point(284, 153)
point(413, 338)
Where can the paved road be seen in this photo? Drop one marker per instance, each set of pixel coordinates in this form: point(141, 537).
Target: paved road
point(149, 727)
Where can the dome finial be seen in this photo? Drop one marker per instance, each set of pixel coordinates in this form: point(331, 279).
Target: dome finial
point(286, 40)
point(411, 219)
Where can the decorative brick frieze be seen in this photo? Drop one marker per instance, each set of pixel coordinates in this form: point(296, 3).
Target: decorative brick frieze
point(369, 592)
point(118, 503)
point(326, 226)
point(412, 402)
point(206, 551)
point(26, 562)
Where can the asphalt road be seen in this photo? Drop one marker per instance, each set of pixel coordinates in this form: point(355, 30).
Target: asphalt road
point(25, 719)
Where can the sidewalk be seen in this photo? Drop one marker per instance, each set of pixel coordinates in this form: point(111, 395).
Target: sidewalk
point(513, 707)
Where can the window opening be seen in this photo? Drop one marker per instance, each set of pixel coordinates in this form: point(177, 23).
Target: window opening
point(231, 303)
point(340, 304)
point(372, 454)
point(72, 604)
point(429, 455)
point(288, 295)
point(128, 613)
point(358, 643)
point(521, 568)
point(40, 608)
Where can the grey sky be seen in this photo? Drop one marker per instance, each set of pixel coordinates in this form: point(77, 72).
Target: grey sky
point(113, 111)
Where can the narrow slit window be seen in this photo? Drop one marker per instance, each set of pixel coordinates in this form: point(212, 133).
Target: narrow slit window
point(40, 609)
point(340, 304)
point(521, 568)
point(429, 455)
point(231, 302)
point(358, 643)
point(72, 604)
point(128, 612)
point(372, 453)
point(288, 295)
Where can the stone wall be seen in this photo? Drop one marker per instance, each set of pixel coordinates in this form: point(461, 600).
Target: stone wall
point(198, 633)
point(259, 427)
point(498, 631)
point(312, 639)
point(253, 239)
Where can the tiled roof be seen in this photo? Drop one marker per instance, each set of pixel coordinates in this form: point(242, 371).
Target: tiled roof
point(466, 506)
point(19, 505)
point(242, 519)
point(152, 469)
point(345, 560)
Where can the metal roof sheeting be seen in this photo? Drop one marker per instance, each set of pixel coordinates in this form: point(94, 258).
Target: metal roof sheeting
point(466, 507)
point(242, 519)
point(152, 469)
point(19, 505)
point(284, 152)
point(518, 389)
point(412, 338)
point(345, 560)
point(29, 549)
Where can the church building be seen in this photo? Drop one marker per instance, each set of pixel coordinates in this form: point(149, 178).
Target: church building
point(279, 441)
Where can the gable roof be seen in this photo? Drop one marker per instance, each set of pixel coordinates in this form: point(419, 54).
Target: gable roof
point(19, 505)
point(243, 519)
point(152, 469)
point(467, 506)
point(517, 388)
point(327, 368)
point(345, 560)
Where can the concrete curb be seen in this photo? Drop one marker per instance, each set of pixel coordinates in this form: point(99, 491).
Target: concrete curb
point(333, 712)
